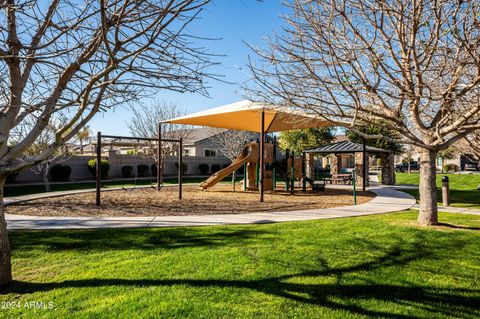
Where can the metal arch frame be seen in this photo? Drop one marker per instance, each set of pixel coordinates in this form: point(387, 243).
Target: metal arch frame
point(98, 179)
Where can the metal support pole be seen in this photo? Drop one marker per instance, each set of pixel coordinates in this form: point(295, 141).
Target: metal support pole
point(98, 168)
point(364, 160)
point(180, 168)
point(159, 156)
point(304, 173)
point(354, 178)
point(292, 179)
point(262, 155)
point(244, 177)
point(274, 172)
point(234, 177)
point(287, 181)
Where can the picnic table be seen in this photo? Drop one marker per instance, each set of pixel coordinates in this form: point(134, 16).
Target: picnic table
point(341, 178)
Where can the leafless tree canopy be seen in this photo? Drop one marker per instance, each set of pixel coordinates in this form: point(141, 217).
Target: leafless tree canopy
point(145, 120)
point(472, 145)
point(415, 64)
point(73, 59)
point(231, 142)
point(412, 66)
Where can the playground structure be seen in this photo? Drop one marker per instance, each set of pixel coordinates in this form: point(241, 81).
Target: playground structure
point(254, 117)
point(249, 160)
point(290, 168)
point(158, 142)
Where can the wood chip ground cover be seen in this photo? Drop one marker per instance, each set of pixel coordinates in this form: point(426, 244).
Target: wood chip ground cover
point(149, 202)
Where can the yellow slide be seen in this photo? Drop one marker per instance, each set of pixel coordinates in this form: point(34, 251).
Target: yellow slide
point(248, 154)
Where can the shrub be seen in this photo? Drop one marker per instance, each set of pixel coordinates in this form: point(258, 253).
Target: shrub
point(127, 171)
point(215, 168)
point(184, 167)
point(203, 168)
point(60, 172)
point(450, 168)
point(153, 169)
point(133, 152)
point(92, 167)
point(142, 170)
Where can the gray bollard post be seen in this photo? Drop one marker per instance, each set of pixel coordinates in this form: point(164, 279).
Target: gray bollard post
point(445, 191)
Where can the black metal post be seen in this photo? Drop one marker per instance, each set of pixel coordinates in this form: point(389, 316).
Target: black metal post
point(262, 155)
point(274, 170)
point(287, 174)
point(364, 160)
point(180, 167)
point(304, 173)
point(445, 191)
point(159, 160)
point(98, 168)
point(292, 177)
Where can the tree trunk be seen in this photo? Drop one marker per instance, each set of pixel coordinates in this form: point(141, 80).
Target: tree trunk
point(81, 146)
point(5, 254)
point(409, 168)
point(428, 189)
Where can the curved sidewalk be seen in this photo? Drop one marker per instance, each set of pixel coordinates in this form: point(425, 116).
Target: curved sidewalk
point(387, 200)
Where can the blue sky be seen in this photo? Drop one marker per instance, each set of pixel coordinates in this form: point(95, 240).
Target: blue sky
point(235, 22)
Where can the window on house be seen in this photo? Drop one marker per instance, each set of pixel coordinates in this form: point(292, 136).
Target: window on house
point(210, 152)
point(186, 152)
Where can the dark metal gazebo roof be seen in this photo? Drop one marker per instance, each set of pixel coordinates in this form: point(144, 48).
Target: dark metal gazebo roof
point(345, 147)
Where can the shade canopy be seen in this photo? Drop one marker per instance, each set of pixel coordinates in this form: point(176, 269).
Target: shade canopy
point(345, 147)
point(246, 116)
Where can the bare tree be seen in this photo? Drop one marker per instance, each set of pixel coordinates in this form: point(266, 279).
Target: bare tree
point(77, 58)
point(413, 66)
point(231, 142)
point(145, 121)
point(44, 141)
point(473, 145)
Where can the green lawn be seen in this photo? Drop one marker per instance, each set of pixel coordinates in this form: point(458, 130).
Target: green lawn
point(380, 266)
point(463, 188)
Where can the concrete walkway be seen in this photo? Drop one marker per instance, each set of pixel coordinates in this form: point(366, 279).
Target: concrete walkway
point(387, 200)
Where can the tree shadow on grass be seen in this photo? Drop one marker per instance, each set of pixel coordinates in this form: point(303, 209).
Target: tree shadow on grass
point(388, 299)
point(457, 302)
point(462, 227)
point(127, 239)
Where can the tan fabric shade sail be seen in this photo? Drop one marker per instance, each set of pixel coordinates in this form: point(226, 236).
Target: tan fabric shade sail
point(255, 117)
point(246, 116)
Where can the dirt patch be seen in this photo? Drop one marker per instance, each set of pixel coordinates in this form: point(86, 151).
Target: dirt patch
point(149, 202)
